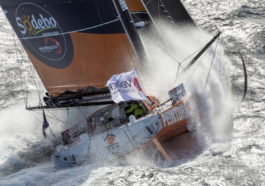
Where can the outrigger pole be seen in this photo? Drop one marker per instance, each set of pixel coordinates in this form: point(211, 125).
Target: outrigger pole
point(201, 52)
point(195, 59)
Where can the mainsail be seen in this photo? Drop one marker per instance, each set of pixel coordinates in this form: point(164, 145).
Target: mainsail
point(73, 44)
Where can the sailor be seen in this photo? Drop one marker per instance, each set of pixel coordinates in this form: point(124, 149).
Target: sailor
point(137, 109)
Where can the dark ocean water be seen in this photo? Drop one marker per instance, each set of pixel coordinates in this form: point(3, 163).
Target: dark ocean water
point(24, 154)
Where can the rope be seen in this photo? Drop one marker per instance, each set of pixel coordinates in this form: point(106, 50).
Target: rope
point(37, 87)
point(191, 55)
point(59, 120)
point(182, 61)
point(64, 33)
point(195, 70)
point(85, 116)
point(177, 74)
point(20, 73)
point(212, 62)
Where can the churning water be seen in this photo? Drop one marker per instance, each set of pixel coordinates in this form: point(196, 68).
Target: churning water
point(221, 152)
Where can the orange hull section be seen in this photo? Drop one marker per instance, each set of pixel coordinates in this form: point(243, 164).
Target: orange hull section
point(174, 121)
point(172, 131)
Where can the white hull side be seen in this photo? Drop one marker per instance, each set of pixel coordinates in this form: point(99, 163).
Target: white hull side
point(96, 148)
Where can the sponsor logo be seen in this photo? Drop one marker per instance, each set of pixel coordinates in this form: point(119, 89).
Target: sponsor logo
point(120, 84)
point(55, 46)
point(126, 84)
point(31, 25)
point(42, 35)
point(174, 115)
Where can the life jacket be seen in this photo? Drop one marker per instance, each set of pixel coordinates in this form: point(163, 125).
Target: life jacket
point(136, 109)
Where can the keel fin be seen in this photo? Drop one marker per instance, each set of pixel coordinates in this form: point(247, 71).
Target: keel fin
point(161, 149)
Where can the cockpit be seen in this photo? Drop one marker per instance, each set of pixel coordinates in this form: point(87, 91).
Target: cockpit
point(115, 115)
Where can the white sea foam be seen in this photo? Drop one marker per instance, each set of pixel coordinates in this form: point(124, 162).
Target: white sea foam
point(212, 87)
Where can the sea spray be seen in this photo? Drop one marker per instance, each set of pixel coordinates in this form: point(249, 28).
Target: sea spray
point(21, 141)
point(210, 83)
point(20, 130)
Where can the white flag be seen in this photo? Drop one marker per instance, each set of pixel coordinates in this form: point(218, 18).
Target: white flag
point(125, 87)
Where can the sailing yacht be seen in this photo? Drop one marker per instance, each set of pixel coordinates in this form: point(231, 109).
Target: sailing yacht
point(76, 47)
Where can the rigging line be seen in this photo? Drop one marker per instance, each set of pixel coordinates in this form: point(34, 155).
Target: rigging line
point(205, 48)
point(179, 62)
point(165, 46)
point(25, 82)
point(20, 73)
point(168, 53)
point(28, 59)
point(23, 78)
point(37, 118)
point(177, 74)
point(164, 49)
point(191, 55)
point(202, 51)
point(82, 112)
point(61, 122)
point(36, 85)
point(35, 78)
point(49, 4)
point(64, 33)
point(195, 69)
point(185, 60)
point(212, 62)
point(52, 132)
point(26, 98)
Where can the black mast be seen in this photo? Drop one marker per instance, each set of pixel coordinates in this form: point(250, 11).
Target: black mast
point(128, 24)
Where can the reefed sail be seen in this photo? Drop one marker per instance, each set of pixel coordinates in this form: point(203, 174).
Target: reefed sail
point(72, 44)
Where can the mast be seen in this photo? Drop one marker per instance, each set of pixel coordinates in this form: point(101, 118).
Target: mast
point(128, 24)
